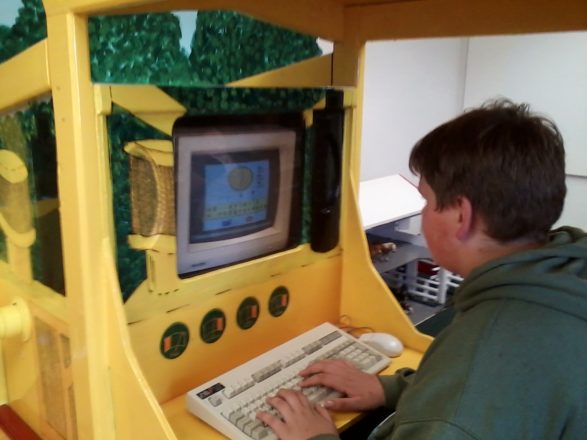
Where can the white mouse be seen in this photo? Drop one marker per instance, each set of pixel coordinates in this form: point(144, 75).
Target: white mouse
point(383, 342)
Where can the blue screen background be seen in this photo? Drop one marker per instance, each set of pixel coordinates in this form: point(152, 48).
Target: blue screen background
point(227, 206)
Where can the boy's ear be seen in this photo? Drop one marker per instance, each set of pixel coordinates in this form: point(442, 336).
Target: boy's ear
point(465, 218)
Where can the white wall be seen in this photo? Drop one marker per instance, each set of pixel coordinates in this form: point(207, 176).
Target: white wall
point(412, 86)
point(575, 210)
point(549, 72)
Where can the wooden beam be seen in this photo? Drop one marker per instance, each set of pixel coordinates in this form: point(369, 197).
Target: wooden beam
point(314, 72)
point(55, 7)
point(345, 66)
point(148, 103)
point(322, 18)
point(452, 18)
point(24, 76)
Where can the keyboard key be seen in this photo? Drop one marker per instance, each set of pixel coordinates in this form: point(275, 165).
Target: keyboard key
point(235, 416)
point(267, 372)
point(293, 358)
point(263, 434)
point(311, 348)
point(215, 400)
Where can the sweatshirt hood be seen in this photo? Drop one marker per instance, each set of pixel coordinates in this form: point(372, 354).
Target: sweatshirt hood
point(554, 276)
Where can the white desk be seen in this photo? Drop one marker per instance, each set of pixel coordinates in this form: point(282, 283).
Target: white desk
point(385, 201)
point(388, 199)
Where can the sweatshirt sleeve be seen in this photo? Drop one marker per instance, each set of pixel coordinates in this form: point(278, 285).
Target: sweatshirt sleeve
point(430, 429)
point(394, 386)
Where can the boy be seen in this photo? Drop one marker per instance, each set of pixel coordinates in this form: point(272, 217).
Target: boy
point(513, 362)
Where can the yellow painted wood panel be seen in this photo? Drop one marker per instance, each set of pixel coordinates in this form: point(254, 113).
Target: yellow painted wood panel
point(449, 18)
point(323, 18)
point(24, 76)
point(314, 72)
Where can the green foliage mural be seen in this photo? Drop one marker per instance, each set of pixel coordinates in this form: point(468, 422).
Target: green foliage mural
point(138, 49)
point(4, 37)
point(221, 100)
point(145, 48)
point(29, 28)
point(227, 46)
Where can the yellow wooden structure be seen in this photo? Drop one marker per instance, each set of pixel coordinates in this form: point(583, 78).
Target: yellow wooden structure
point(103, 371)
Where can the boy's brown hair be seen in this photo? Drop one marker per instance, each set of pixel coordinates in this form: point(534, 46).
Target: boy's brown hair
point(509, 162)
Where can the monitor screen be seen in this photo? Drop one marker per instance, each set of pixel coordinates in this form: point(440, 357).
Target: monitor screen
point(236, 191)
point(233, 194)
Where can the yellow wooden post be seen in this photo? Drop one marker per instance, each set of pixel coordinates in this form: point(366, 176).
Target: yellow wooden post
point(83, 220)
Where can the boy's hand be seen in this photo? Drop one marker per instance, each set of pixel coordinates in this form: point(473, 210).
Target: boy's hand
point(300, 419)
point(361, 391)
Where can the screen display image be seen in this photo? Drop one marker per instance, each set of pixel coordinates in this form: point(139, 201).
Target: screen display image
point(236, 195)
point(232, 197)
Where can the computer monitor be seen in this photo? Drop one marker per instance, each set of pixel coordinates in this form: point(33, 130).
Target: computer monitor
point(236, 188)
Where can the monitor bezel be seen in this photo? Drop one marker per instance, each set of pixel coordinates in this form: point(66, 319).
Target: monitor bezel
point(290, 125)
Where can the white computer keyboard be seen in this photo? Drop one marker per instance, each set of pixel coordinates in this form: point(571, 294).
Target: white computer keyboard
point(230, 401)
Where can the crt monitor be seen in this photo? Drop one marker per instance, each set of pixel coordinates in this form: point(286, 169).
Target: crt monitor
point(236, 188)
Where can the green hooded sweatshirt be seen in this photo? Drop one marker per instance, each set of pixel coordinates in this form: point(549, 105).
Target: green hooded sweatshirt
point(513, 363)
